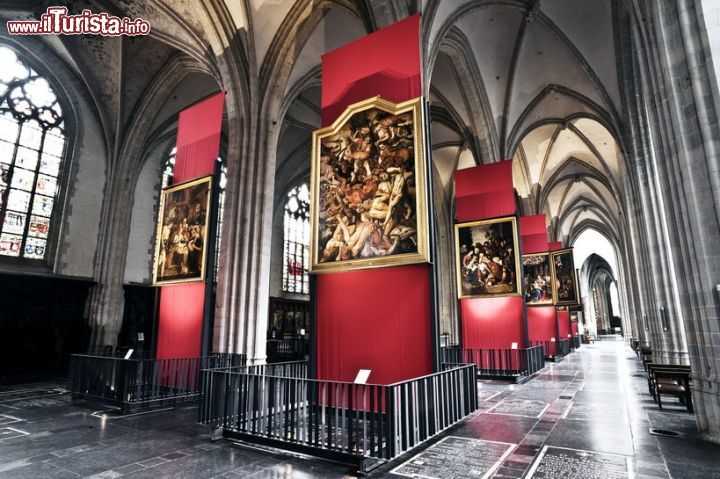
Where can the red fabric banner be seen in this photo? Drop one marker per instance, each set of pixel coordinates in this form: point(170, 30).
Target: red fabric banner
point(373, 319)
point(377, 319)
point(563, 319)
point(180, 314)
point(484, 191)
point(542, 327)
point(492, 323)
point(198, 139)
point(555, 245)
point(384, 63)
point(533, 232)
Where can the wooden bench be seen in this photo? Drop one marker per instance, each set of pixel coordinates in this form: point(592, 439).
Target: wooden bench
point(670, 380)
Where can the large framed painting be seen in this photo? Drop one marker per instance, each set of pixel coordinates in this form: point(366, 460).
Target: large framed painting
point(537, 279)
point(565, 290)
point(487, 258)
point(368, 206)
point(180, 246)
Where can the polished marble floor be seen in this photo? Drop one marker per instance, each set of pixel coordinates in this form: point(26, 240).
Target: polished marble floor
point(587, 416)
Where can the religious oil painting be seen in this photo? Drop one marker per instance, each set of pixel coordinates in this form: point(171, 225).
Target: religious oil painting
point(564, 277)
point(180, 251)
point(537, 279)
point(368, 188)
point(487, 258)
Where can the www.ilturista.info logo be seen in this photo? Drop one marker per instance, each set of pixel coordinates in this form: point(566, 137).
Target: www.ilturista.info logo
point(56, 21)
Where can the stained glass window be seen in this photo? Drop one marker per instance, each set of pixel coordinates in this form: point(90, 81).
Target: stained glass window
point(296, 250)
point(168, 170)
point(32, 145)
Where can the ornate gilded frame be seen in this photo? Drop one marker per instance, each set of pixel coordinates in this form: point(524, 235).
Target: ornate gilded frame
point(516, 246)
point(552, 279)
point(161, 220)
point(422, 254)
point(556, 301)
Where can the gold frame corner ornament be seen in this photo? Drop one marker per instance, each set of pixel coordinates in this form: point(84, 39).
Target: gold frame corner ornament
point(422, 255)
point(516, 245)
point(158, 230)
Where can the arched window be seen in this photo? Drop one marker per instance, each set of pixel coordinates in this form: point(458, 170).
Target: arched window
point(32, 145)
point(168, 170)
point(296, 250)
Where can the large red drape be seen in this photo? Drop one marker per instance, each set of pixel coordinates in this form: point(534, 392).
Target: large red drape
point(542, 326)
point(180, 314)
point(373, 319)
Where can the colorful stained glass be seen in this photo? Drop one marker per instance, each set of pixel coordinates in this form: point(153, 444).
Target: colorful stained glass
point(39, 226)
point(42, 205)
point(34, 248)
point(18, 200)
point(14, 222)
point(31, 132)
point(46, 185)
point(10, 244)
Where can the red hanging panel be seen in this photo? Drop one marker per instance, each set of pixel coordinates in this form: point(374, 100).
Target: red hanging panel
point(484, 191)
point(384, 63)
point(181, 305)
point(563, 319)
point(534, 234)
point(375, 319)
point(542, 326)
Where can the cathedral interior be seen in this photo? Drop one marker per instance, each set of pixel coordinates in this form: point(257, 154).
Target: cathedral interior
point(605, 114)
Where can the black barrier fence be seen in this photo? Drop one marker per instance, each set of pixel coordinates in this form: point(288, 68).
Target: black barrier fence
point(576, 341)
point(361, 424)
point(137, 384)
point(563, 347)
point(498, 363)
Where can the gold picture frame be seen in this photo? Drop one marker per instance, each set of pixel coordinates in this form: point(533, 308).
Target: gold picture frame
point(557, 291)
point(181, 235)
point(481, 258)
point(368, 188)
point(537, 283)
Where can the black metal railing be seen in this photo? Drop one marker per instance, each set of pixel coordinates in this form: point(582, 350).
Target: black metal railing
point(294, 348)
point(563, 347)
point(136, 384)
point(549, 348)
point(497, 363)
point(357, 423)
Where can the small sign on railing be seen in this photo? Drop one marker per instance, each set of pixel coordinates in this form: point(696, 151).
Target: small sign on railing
point(129, 353)
point(514, 346)
point(362, 376)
